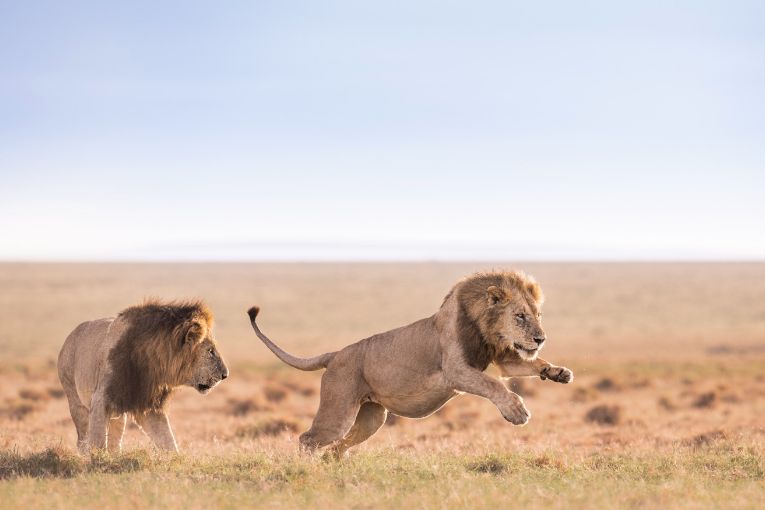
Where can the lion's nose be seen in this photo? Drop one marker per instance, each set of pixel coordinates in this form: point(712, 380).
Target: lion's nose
point(224, 375)
point(539, 340)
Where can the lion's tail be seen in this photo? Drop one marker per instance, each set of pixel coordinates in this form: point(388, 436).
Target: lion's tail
point(315, 363)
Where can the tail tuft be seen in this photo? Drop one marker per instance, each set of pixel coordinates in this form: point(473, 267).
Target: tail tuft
point(314, 363)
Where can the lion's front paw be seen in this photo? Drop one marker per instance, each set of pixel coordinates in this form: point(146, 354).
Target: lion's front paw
point(516, 413)
point(557, 374)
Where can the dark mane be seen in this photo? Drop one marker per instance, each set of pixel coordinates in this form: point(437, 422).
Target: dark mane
point(149, 359)
point(478, 352)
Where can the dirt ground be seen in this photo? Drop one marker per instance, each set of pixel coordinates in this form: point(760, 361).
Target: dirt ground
point(665, 356)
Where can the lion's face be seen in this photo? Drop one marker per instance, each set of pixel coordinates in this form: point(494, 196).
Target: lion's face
point(208, 368)
point(515, 320)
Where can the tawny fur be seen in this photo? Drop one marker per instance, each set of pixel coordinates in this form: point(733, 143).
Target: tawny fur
point(414, 370)
point(131, 364)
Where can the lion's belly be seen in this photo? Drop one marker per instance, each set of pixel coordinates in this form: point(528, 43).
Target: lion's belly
point(418, 406)
point(415, 397)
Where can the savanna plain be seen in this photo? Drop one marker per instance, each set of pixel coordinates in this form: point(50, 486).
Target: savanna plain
point(666, 409)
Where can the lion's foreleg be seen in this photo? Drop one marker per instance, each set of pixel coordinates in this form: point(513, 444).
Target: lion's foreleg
point(536, 368)
point(116, 431)
point(157, 426)
point(467, 379)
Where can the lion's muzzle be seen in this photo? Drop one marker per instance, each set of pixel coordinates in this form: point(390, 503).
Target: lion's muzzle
point(526, 352)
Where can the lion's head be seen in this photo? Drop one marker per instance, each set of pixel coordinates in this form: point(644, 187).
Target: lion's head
point(506, 308)
point(164, 346)
point(205, 367)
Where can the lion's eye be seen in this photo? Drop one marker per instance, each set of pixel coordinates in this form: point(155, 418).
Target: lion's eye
point(211, 351)
point(520, 316)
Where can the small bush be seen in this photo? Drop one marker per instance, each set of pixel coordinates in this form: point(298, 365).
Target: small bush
point(706, 438)
point(546, 461)
point(243, 407)
point(667, 404)
point(583, 394)
point(607, 384)
point(274, 394)
point(56, 393)
point(18, 410)
point(287, 474)
point(604, 415)
point(271, 427)
point(490, 464)
point(705, 400)
point(33, 395)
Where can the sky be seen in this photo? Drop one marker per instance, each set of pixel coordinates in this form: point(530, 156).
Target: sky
point(382, 130)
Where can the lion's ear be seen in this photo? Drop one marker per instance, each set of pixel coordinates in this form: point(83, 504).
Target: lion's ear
point(195, 333)
point(536, 292)
point(495, 294)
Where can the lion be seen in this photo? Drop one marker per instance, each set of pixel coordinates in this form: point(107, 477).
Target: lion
point(414, 370)
point(131, 364)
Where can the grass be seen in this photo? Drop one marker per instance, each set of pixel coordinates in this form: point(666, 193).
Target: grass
point(717, 459)
point(63, 463)
point(721, 474)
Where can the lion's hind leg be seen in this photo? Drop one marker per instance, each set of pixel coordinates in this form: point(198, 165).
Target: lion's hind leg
point(338, 407)
point(369, 420)
point(80, 414)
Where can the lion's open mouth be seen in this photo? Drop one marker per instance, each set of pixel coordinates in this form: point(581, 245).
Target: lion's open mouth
point(202, 388)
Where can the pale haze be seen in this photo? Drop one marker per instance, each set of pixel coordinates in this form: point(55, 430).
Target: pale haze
point(382, 131)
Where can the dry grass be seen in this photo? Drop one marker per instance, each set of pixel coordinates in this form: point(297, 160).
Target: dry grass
point(665, 410)
point(720, 474)
point(268, 427)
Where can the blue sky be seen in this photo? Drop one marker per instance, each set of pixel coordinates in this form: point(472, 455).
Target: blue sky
point(387, 130)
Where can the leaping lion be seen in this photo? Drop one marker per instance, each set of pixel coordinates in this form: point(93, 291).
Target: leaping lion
point(414, 370)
